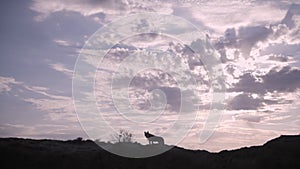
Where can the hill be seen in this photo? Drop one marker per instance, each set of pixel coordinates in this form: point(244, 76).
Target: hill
point(282, 152)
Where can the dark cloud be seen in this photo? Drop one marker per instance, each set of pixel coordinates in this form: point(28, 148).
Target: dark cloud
point(248, 83)
point(230, 37)
point(282, 49)
point(179, 100)
point(249, 36)
point(245, 38)
point(119, 52)
point(286, 79)
point(173, 96)
point(152, 79)
point(279, 58)
point(242, 39)
point(186, 53)
point(244, 102)
point(144, 83)
point(288, 19)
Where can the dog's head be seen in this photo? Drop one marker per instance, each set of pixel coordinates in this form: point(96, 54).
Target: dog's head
point(146, 133)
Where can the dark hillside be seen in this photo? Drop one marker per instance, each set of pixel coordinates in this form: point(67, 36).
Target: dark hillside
point(282, 152)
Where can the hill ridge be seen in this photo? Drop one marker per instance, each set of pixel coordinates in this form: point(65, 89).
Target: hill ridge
point(280, 152)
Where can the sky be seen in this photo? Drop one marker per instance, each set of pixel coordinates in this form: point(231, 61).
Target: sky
point(256, 45)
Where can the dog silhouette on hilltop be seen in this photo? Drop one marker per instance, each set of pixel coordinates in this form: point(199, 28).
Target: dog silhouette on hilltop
point(154, 139)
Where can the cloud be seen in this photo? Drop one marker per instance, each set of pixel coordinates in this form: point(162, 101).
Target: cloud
point(161, 75)
point(66, 43)
point(62, 42)
point(280, 58)
point(53, 108)
point(244, 102)
point(248, 117)
point(62, 68)
point(254, 42)
point(94, 7)
point(220, 15)
point(289, 19)
point(7, 83)
point(288, 29)
point(285, 79)
point(41, 131)
point(249, 36)
point(15, 130)
point(58, 107)
point(243, 40)
point(247, 83)
point(86, 8)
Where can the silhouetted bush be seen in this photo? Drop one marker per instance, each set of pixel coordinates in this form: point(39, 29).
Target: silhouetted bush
point(123, 136)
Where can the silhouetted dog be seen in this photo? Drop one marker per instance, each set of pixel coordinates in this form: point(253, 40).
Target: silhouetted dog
point(154, 139)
